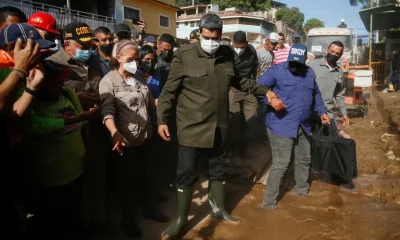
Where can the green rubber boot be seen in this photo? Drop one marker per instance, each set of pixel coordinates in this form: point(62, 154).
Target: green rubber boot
point(183, 199)
point(216, 197)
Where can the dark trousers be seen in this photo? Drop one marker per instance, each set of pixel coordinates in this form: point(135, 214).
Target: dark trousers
point(213, 162)
point(56, 211)
point(243, 119)
point(133, 181)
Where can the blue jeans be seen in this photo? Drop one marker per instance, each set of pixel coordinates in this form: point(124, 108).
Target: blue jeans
point(281, 155)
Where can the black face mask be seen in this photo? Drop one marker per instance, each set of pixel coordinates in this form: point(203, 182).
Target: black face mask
point(166, 55)
point(296, 67)
point(147, 67)
point(107, 48)
point(331, 59)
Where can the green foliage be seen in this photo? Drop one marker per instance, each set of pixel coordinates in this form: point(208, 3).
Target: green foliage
point(245, 5)
point(313, 23)
point(291, 16)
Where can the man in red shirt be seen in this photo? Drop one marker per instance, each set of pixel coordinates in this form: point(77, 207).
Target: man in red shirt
point(282, 51)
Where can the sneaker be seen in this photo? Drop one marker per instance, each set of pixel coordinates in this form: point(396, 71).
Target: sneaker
point(344, 135)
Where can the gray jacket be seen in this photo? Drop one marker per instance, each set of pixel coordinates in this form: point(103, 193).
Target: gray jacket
point(128, 106)
point(331, 84)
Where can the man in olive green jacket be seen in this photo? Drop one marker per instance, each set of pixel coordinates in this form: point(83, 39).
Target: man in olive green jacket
point(200, 77)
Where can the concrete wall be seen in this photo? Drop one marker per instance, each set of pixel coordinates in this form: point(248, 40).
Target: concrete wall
point(151, 11)
point(184, 31)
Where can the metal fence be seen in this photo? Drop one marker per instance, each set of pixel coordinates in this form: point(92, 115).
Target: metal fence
point(379, 71)
point(62, 15)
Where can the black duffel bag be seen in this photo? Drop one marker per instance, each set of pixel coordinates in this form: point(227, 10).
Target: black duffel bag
point(333, 154)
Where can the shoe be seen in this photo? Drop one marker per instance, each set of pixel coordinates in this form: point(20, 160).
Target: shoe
point(155, 216)
point(216, 197)
point(343, 135)
point(131, 229)
point(183, 199)
point(268, 206)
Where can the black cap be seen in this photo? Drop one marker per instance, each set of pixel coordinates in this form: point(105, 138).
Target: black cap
point(195, 34)
point(78, 31)
point(122, 27)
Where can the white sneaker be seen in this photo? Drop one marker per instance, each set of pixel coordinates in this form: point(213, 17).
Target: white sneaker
point(344, 135)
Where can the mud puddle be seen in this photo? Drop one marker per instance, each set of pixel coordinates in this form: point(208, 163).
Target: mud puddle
point(330, 212)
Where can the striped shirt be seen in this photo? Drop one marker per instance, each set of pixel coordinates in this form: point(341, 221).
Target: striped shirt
point(281, 55)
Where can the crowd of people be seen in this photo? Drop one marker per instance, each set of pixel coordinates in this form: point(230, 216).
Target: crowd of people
point(108, 109)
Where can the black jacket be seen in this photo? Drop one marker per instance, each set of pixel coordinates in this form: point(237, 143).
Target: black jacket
point(246, 64)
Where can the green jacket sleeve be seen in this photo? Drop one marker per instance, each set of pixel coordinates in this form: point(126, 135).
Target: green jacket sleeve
point(169, 90)
point(249, 86)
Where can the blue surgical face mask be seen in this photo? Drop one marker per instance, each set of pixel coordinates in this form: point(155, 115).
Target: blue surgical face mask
point(82, 55)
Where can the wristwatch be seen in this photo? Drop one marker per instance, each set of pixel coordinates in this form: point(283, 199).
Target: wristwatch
point(31, 92)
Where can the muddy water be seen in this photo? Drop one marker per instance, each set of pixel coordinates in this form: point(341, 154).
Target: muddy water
point(328, 213)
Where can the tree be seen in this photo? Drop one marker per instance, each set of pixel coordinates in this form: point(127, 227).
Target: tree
point(291, 16)
point(313, 23)
point(245, 5)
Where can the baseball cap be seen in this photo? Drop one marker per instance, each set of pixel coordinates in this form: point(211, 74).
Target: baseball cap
point(23, 31)
point(150, 39)
point(122, 27)
point(79, 32)
point(298, 53)
point(273, 37)
point(195, 34)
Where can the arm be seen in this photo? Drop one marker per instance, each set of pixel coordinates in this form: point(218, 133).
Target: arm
point(107, 99)
point(33, 82)
point(169, 90)
point(319, 106)
point(339, 95)
point(254, 70)
point(25, 59)
point(249, 86)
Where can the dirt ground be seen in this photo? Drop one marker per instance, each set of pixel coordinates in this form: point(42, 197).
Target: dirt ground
point(370, 211)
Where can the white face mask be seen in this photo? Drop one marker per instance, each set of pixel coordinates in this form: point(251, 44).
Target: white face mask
point(209, 46)
point(130, 67)
point(238, 51)
point(57, 47)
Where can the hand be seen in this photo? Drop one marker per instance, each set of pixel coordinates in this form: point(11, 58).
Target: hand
point(119, 142)
point(92, 114)
point(142, 26)
point(34, 79)
point(156, 102)
point(270, 95)
point(163, 131)
point(325, 119)
point(26, 58)
point(88, 100)
point(346, 120)
point(277, 104)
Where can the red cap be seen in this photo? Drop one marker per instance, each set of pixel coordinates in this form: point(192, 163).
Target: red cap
point(44, 21)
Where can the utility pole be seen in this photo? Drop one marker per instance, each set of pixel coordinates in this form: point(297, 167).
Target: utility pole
point(377, 31)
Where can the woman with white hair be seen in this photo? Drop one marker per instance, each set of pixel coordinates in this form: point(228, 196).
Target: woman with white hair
point(125, 105)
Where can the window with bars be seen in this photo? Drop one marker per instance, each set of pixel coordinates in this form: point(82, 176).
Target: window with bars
point(131, 13)
point(164, 21)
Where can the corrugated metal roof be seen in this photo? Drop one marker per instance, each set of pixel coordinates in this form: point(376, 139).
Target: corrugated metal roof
point(383, 17)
